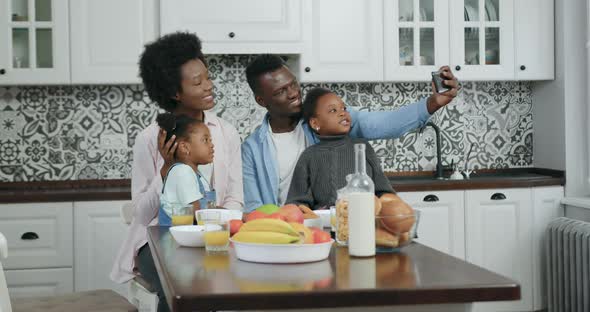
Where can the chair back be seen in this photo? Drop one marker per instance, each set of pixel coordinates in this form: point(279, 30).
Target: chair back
point(126, 212)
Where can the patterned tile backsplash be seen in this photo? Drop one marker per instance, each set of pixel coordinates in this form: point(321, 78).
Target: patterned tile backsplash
point(87, 132)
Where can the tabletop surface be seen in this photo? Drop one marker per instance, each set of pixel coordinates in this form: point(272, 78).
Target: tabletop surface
point(194, 279)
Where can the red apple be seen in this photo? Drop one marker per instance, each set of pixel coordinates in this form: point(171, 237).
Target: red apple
point(291, 213)
point(255, 215)
point(276, 215)
point(320, 236)
point(234, 226)
point(323, 283)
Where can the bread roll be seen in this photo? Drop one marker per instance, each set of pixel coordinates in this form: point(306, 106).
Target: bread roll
point(385, 239)
point(397, 215)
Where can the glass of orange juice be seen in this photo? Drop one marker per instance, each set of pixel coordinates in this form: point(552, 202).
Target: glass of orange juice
point(216, 231)
point(333, 218)
point(182, 214)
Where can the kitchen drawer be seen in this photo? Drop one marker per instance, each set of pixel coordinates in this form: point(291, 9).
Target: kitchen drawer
point(442, 220)
point(39, 235)
point(39, 282)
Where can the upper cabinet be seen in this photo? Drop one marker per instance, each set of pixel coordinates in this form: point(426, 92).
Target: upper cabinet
point(534, 39)
point(482, 39)
point(416, 38)
point(107, 38)
point(237, 26)
point(337, 40)
point(343, 41)
point(34, 42)
point(479, 39)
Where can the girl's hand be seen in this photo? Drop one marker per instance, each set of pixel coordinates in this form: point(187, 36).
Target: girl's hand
point(167, 150)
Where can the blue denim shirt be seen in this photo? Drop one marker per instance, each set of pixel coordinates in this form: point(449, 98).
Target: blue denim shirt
point(259, 161)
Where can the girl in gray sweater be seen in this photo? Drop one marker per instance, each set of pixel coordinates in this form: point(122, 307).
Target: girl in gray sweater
point(322, 168)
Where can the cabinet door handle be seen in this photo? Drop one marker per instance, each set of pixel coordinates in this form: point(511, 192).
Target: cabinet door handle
point(457, 68)
point(231, 34)
point(522, 67)
point(307, 69)
point(498, 196)
point(2, 71)
point(431, 198)
point(29, 236)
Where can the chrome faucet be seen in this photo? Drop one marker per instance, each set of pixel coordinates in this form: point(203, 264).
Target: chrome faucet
point(439, 165)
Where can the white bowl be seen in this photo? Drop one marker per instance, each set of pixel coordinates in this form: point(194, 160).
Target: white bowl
point(226, 214)
point(189, 235)
point(324, 214)
point(282, 253)
point(313, 222)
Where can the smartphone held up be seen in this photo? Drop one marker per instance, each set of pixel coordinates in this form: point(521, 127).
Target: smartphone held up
point(438, 82)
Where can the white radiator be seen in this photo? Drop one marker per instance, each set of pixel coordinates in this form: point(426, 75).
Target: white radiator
point(568, 265)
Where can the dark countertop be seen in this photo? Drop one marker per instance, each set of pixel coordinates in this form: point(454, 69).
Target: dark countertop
point(96, 190)
point(482, 179)
point(193, 279)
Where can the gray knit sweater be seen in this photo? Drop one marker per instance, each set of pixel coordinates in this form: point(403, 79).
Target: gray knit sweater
point(322, 169)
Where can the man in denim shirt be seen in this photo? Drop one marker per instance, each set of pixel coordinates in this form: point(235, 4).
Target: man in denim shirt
point(270, 153)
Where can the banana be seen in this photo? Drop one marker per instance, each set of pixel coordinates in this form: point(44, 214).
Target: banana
point(269, 225)
point(264, 237)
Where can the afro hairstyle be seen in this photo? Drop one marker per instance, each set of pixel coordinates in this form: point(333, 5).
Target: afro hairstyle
point(160, 66)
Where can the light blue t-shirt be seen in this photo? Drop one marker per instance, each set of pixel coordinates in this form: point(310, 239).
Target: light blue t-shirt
point(181, 187)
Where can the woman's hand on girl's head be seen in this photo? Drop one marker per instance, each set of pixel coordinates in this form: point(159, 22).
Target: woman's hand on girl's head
point(167, 150)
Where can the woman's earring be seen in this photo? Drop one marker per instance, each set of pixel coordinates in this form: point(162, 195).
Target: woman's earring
point(317, 129)
point(186, 153)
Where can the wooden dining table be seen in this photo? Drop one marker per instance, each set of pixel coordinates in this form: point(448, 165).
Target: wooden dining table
point(417, 278)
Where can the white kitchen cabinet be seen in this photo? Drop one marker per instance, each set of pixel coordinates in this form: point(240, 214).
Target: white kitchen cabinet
point(442, 220)
point(416, 38)
point(40, 248)
point(237, 26)
point(502, 235)
point(482, 40)
point(99, 232)
point(39, 235)
point(107, 38)
point(499, 238)
point(39, 282)
point(547, 207)
point(343, 41)
point(34, 41)
point(534, 39)
point(479, 39)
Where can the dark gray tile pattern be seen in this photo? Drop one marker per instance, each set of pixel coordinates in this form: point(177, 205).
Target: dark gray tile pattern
point(87, 132)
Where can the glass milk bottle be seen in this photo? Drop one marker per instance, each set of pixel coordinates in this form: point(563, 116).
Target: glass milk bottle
point(361, 208)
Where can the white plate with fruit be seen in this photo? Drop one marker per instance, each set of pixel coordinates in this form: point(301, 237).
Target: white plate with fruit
point(271, 238)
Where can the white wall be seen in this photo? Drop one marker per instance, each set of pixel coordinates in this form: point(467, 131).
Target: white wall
point(548, 108)
point(560, 106)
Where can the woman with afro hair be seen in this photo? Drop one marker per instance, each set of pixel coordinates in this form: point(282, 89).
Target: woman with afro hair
point(175, 75)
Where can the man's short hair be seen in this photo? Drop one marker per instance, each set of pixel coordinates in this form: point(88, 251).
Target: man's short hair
point(261, 65)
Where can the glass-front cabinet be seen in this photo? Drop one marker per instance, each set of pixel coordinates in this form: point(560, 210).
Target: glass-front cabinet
point(416, 38)
point(34, 46)
point(474, 37)
point(482, 39)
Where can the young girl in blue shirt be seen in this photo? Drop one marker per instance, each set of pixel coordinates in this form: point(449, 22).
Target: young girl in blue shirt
point(184, 185)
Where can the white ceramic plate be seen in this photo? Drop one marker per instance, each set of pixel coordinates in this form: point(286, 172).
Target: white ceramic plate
point(282, 253)
point(280, 272)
